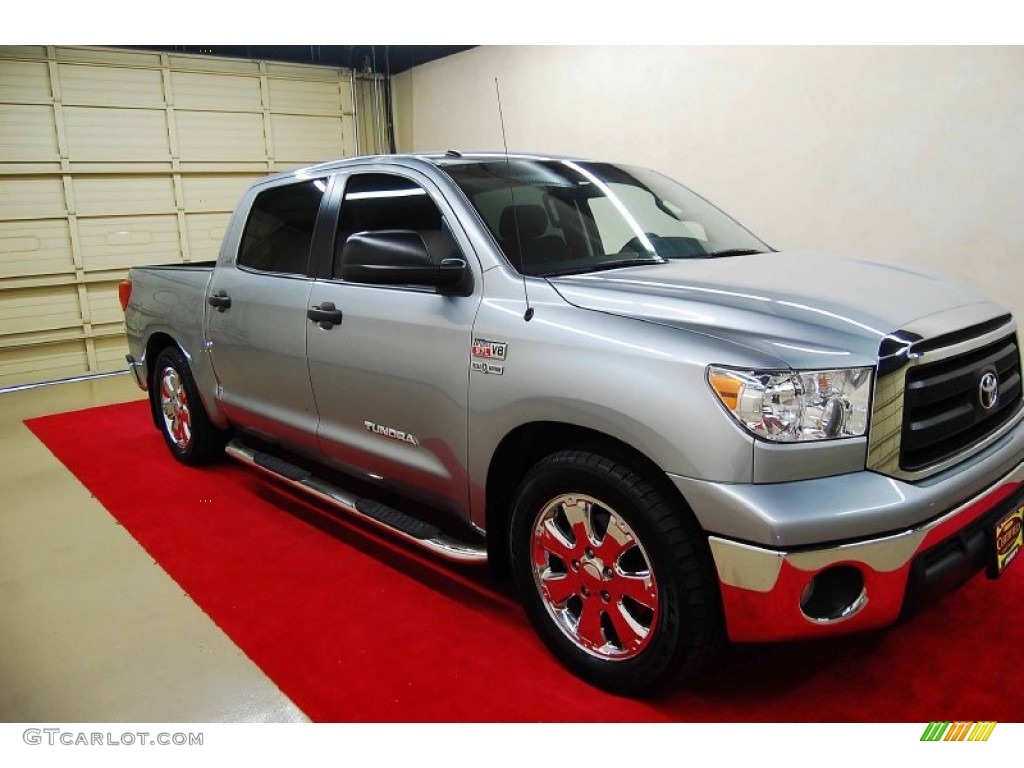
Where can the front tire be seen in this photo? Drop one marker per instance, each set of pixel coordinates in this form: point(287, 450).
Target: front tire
point(179, 412)
point(615, 578)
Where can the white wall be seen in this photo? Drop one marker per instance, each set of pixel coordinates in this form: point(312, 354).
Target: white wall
point(911, 155)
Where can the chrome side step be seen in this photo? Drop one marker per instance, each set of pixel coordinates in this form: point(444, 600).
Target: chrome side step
point(415, 531)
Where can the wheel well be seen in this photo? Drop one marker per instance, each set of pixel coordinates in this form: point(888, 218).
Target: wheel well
point(156, 344)
point(527, 445)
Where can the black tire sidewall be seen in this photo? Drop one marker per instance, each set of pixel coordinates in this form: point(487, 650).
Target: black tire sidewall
point(203, 447)
point(643, 509)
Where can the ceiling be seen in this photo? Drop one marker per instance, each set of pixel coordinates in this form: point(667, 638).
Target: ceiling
point(379, 58)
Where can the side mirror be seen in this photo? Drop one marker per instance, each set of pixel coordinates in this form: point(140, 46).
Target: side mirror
point(400, 257)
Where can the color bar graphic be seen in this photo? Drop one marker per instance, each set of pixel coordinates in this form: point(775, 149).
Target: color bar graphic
point(943, 730)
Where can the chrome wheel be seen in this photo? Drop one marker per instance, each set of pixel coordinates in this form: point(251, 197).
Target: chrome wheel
point(174, 407)
point(594, 577)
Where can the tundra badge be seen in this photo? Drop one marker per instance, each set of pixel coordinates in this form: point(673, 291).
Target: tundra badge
point(391, 433)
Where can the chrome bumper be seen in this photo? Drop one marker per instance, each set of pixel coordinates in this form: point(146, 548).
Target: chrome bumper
point(138, 369)
point(762, 588)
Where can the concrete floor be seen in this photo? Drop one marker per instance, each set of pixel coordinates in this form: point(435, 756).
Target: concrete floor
point(91, 630)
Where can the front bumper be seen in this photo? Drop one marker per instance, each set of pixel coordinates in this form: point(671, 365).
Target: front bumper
point(763, 589)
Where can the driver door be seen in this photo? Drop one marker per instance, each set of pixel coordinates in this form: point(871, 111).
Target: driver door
point(391, 378)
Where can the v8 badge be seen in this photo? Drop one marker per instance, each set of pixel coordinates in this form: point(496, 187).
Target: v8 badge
point(489, 350)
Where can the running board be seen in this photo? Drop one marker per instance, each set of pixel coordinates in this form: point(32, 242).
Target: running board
point(424, 535)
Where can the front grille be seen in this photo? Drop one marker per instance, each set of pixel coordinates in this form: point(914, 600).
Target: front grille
point(943, 412)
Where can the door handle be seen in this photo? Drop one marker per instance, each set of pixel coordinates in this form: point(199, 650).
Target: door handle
point(326, 315)
point(220, 300)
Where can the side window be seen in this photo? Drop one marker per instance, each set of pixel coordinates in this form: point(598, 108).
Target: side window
point(280, 228)
point(380, 201)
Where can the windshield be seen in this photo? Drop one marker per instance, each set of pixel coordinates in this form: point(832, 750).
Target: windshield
point(558, 217)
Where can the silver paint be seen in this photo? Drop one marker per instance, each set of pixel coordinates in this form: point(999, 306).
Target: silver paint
point(843, 507)
point(755, 568)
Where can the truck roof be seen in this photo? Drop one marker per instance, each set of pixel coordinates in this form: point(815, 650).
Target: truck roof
point(435, 158)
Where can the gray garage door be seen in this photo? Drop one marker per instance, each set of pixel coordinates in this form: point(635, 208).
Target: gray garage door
point(111, 159)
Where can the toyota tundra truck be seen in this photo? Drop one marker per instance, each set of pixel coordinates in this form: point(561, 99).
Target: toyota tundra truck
point(670, 434)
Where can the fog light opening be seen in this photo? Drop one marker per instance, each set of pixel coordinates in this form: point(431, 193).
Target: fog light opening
point(835, 594)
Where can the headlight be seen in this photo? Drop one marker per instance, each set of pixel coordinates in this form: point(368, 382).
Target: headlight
point(795, 406)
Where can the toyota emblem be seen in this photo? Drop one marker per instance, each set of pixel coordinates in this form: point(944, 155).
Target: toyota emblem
point(988, 390)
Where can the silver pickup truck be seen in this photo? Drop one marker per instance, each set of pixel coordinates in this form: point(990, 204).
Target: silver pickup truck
point(583, 373)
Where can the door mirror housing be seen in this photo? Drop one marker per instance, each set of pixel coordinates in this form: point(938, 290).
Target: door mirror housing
point(400, 257)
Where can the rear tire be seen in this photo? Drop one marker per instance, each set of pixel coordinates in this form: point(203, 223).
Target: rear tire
point(179, 411)
point(615, 578)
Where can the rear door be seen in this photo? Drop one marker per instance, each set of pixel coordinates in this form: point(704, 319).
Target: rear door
point(391, 378)
point(257, 317)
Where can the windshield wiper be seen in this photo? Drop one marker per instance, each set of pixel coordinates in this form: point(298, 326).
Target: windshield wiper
point(733, 252)
point(601, 266)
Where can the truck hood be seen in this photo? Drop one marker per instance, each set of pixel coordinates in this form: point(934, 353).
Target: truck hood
point(805, 310)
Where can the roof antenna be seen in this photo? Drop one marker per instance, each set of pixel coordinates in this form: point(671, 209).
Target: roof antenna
point(528, 315)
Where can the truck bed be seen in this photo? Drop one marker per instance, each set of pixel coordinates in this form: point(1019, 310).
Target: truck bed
point(172, 301)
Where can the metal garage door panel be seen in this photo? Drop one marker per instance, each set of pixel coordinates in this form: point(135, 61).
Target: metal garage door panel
point(307, 139)
point(205, 194)
point(108, 56)
point(41, 362)
point(132, 190)
point(195, 89)
point(40, 197)
point(103, 303)
point(205, 231)
point(110, 352)
point(304, 95)
point(26, 51)
point(113, 86)
point(35, 248)
point(116, 134)
point(24, 310)
point(24, 81)
point(212, 64)
point(27, 132)
point(99, 195)
point(127, 241)
point(301, 71)
point(220, 136)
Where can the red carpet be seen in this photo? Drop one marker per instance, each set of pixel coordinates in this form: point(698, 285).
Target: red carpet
point(356, 628)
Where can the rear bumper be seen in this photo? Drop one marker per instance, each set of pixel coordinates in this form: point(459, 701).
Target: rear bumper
point(762, 588)
point(138, 369)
